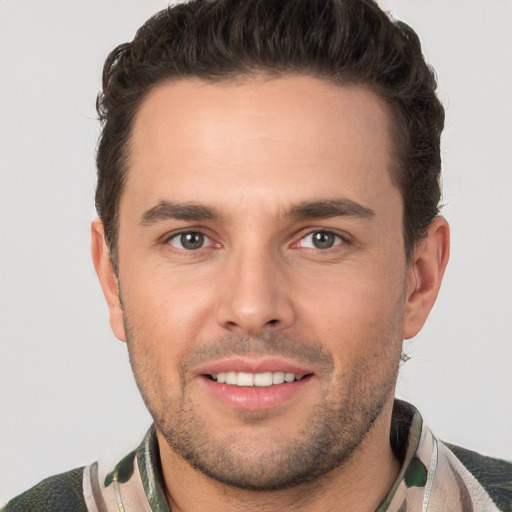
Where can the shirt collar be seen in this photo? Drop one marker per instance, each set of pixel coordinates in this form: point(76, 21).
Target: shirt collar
point(405, 434)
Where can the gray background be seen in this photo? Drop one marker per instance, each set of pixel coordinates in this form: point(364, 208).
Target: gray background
point(67, 395)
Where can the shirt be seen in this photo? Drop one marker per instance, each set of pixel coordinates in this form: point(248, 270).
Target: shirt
point(434, 477)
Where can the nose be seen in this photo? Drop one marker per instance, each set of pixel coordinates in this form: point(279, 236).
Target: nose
point(254, 297)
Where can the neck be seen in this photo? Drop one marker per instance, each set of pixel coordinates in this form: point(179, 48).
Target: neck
point(361, 483)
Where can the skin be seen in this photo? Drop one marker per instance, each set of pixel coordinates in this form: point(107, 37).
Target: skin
point(248, 155)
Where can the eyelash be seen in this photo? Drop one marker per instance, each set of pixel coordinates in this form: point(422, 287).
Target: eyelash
point(339, 240)
point(176, 236)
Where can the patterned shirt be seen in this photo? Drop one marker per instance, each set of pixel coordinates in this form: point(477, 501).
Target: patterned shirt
point(434, 477)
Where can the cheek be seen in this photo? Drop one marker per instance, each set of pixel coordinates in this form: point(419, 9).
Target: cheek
point(167, 312)
point(352, 310)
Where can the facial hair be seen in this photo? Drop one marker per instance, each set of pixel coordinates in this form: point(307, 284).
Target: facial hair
point(334, 429)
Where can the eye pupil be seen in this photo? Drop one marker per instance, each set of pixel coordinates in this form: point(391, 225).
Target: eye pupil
point(192, 240)
point(323, 240)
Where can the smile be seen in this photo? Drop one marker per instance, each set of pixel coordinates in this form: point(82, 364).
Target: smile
point(254, 385)
point(262, 380)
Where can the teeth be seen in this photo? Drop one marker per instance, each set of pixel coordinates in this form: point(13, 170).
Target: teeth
point(261, 380)
point(277, 377)
point(231, 378)
point(245, 379)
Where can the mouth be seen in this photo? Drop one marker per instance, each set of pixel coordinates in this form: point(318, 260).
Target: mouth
point(258, 380)
point(249, 384)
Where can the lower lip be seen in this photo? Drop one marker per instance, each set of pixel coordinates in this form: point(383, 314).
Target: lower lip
point(254, 398)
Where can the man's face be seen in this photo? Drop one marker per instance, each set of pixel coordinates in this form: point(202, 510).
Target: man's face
point(261, 242)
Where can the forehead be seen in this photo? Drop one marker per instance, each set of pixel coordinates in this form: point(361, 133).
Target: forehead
point(252, 136)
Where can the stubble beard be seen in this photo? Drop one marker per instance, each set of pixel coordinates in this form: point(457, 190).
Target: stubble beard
point(332, 433)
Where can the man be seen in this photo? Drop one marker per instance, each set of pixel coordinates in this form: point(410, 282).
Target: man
point(268, 235)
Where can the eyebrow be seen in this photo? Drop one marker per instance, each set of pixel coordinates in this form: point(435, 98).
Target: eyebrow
point(166, 210)
point(329, 208)
point(193, 212)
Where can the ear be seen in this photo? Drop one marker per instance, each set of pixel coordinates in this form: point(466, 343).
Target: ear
point(424, 275)
point(107, 277)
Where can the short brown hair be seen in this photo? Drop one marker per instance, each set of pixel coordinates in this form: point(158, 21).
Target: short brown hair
point(342, 41)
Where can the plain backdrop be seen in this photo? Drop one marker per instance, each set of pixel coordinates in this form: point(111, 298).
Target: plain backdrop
point(67, 394)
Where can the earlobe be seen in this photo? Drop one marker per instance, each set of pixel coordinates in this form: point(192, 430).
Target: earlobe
point(107, 277)
point(425, 274)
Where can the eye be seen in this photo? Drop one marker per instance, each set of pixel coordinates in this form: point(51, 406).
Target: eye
point(189, 241)
point(320, 240)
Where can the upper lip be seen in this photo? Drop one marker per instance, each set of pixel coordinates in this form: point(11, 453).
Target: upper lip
point(252, 365)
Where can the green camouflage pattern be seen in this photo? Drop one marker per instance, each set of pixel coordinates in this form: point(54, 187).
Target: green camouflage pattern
point(434, 477)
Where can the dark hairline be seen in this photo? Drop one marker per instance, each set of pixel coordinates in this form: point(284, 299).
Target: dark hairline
point(394, 127)
point(340, 41)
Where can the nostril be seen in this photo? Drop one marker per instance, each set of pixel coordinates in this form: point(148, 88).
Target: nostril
point(273, 322)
